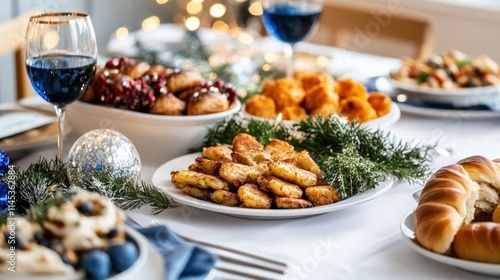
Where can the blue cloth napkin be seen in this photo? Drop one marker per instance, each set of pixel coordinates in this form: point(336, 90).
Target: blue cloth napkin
point(182, 261)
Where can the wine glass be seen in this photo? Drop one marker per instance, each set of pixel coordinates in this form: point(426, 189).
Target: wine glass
point(61, 55)
point(290, 21)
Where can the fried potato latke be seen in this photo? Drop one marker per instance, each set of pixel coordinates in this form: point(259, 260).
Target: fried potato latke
point(256, 176)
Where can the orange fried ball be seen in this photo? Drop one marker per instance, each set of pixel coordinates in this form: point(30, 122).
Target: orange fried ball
point(293, 113)
point(326, 109)
point(350, 87)
point(285, 92)
point(319, 95)
point(380, 102)
point(357, 109)
point(261, 106)
point(309, 79)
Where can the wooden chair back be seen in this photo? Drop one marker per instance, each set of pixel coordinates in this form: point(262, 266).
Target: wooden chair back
point(354, 27)
point(13, 32)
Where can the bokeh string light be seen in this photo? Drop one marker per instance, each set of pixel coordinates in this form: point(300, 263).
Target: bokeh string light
point(239, 20)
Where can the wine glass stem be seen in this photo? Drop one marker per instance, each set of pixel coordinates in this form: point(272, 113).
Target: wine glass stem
point(60, 112)
point(288, 49)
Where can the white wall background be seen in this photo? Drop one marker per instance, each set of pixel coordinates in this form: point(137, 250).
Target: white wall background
point(468, 25)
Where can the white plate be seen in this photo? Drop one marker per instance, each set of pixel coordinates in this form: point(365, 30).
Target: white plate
point(457, 97)
point(161, 178)
point(25, 142)
point(385, 121)
point(477, 267)
point(429, 111)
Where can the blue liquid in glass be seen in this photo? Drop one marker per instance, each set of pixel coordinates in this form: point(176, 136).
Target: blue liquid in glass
point(291, 22)
point(61, 79)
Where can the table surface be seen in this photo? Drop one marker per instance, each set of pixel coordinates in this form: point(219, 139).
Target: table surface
point(362, 242)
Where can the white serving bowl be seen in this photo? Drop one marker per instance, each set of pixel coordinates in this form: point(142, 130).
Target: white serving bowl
point(379, 123)
point(157, 138)
point(134, 272)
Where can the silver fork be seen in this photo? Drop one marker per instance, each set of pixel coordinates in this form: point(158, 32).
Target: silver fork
point(235, 263)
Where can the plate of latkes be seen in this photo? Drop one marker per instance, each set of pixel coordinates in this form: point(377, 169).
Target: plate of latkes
point(162, 179)
point(476, 267)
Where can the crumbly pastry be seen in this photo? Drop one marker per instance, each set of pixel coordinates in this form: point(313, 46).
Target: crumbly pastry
point(458, 211)
point(58, 243)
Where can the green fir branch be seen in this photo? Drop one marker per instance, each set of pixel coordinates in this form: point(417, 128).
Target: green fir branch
point(46, 180)
point(354, 158)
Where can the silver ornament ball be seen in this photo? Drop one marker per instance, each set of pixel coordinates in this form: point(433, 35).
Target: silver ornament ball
point(103, 149)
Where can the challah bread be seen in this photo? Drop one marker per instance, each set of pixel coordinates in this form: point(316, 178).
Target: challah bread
point(458, 211)
point(445, 204)
point(478, 242)
point(496, 215)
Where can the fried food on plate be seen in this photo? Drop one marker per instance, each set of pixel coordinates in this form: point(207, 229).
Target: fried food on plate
point(251, 175)
point(261, 106)
point(380, 102)
point(357, 109)
point(350, 87)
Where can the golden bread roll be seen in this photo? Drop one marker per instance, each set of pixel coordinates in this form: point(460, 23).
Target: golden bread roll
point(182, 80)
point(207, 103)
point(496, 215)
point(168, 105)
point(444, 205)
point(458, 211)
point(478, 242)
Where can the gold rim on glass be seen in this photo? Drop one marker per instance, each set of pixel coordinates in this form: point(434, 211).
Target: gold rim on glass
point(52, 18)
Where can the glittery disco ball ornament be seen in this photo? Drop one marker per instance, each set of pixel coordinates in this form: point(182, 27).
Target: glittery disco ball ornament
point(103, 149)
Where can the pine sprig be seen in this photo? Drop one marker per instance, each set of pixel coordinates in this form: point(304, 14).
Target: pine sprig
point(44, 180)
point(224, 132)
point(354, 158)
point(350, 173)
point(401, 160)
point(126, 194)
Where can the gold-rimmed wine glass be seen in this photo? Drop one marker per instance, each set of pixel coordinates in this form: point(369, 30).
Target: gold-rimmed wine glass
point(61, 55)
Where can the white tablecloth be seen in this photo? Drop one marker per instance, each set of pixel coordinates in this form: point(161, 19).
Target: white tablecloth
point(362, 242)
